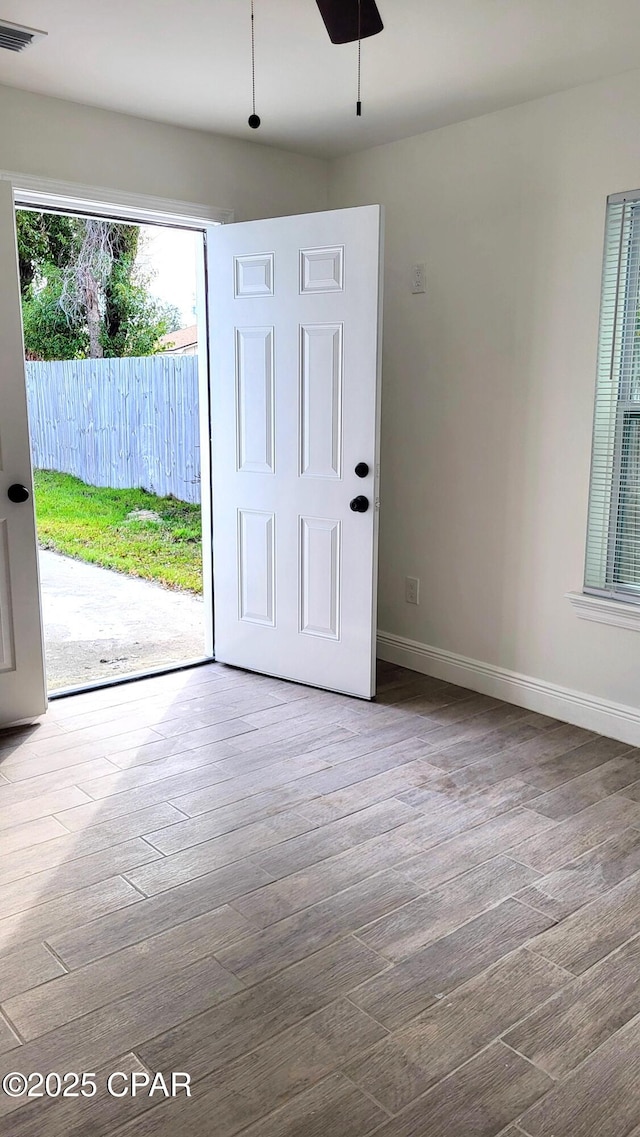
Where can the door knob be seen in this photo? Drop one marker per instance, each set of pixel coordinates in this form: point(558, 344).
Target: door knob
point(361, 470)
point(18, 493)
point(359, 504)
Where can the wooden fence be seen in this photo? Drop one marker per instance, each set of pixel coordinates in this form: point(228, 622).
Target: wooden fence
point(119, 422)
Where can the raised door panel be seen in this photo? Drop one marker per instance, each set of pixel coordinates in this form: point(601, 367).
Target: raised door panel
point(256, 566)
point(7, 654)
point(255, 400)
point(321, 409)
point(253, 275)
point(322, 270)
point(319, 566)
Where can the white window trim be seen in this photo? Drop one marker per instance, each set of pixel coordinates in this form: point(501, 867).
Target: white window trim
point(602, 610)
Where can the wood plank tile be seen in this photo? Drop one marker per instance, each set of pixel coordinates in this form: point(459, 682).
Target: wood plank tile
point(202, 735)
point(456, 856)
point(390, 783)
point(260, 756)
point(26, 967)
point(556, 769)
point(409, 685)
point(577, 794)
point(177, 775)
point(403, 991)
point(600, 1097)
point(454, 744)
point(300, 890)
point(72, 846)
point(96, 1116)
point(284, 713)
point(454, 753)
point(450, 1032)
point(588, 877)
point(345, 1029)
point(61, 880)
point(249, 1019)
point(264, 953)
point(174, 1117)
point(186, 833)
point(567, 840)
point(632, 792)
point(235, 789)
point(497, 798)
point(171, 748)
point(441, 817)
point(95, 938)
point(38, 806)
point(495, 717)
point(29, 788)
point(121, 734)
point(252, 1086)
point(518, 760)
point(326, 841)
point(330, 974)
point(446, 908)
point(580, 1018)
point(595, 929)
point(52, 917)
point(97, 1036)
point(9, 1040)
point(348, 772)
point(479, 1100)
point(20, 770)
point(396, 739)
point(28, 835)
point(269, 1077)
point(333, 1106)
point(157, 958)
point(455, 711)
point(178, 868)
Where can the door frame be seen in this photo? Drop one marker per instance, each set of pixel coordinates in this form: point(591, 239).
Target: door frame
point(67, 197)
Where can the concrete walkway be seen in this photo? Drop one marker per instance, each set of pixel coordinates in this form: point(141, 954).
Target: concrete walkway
point(99, 624)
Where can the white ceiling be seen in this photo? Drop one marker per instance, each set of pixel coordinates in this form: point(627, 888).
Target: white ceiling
point(437, 61)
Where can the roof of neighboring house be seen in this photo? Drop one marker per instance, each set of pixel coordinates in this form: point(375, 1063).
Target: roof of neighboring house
point(178, 340)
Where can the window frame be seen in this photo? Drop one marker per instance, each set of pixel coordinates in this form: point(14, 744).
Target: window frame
point(615, 359)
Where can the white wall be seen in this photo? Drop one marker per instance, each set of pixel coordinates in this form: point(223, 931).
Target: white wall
point(488, 388)
point(73, 143)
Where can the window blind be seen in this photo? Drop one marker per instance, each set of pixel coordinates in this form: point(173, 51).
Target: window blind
point(613, 536)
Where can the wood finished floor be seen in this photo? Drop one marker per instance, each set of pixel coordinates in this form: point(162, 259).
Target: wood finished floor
point(413, 918)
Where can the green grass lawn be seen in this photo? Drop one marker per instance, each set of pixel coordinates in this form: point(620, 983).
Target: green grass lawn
point(94, 524)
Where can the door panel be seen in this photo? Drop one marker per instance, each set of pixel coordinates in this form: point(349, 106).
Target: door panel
point(22, 684)
point(294, 341)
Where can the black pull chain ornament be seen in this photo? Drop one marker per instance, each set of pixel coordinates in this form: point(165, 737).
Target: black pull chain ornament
point(359, 100)
point(254, 119)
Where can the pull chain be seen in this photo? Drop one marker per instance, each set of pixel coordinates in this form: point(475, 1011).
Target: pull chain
point(254, 119)
point(359, 101)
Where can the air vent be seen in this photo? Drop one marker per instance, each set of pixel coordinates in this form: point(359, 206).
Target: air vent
point(15, 37)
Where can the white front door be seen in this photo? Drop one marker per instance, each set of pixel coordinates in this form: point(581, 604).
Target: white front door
point(22, 683)
point(294, 312)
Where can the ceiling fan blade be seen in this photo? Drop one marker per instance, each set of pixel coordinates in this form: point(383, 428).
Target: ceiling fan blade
point(341, 19)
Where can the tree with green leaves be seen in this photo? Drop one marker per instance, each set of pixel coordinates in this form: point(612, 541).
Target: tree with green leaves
point(84, 294)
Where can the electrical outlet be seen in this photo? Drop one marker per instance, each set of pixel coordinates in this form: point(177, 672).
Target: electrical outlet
point(419, 279)
point(412, 590)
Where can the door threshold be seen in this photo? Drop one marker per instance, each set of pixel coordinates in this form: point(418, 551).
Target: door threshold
point(120, 680)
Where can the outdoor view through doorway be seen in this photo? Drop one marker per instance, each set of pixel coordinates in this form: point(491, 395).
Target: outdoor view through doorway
point(115, 402)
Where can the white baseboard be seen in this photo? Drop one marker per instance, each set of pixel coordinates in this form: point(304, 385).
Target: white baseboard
point(600, 715)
